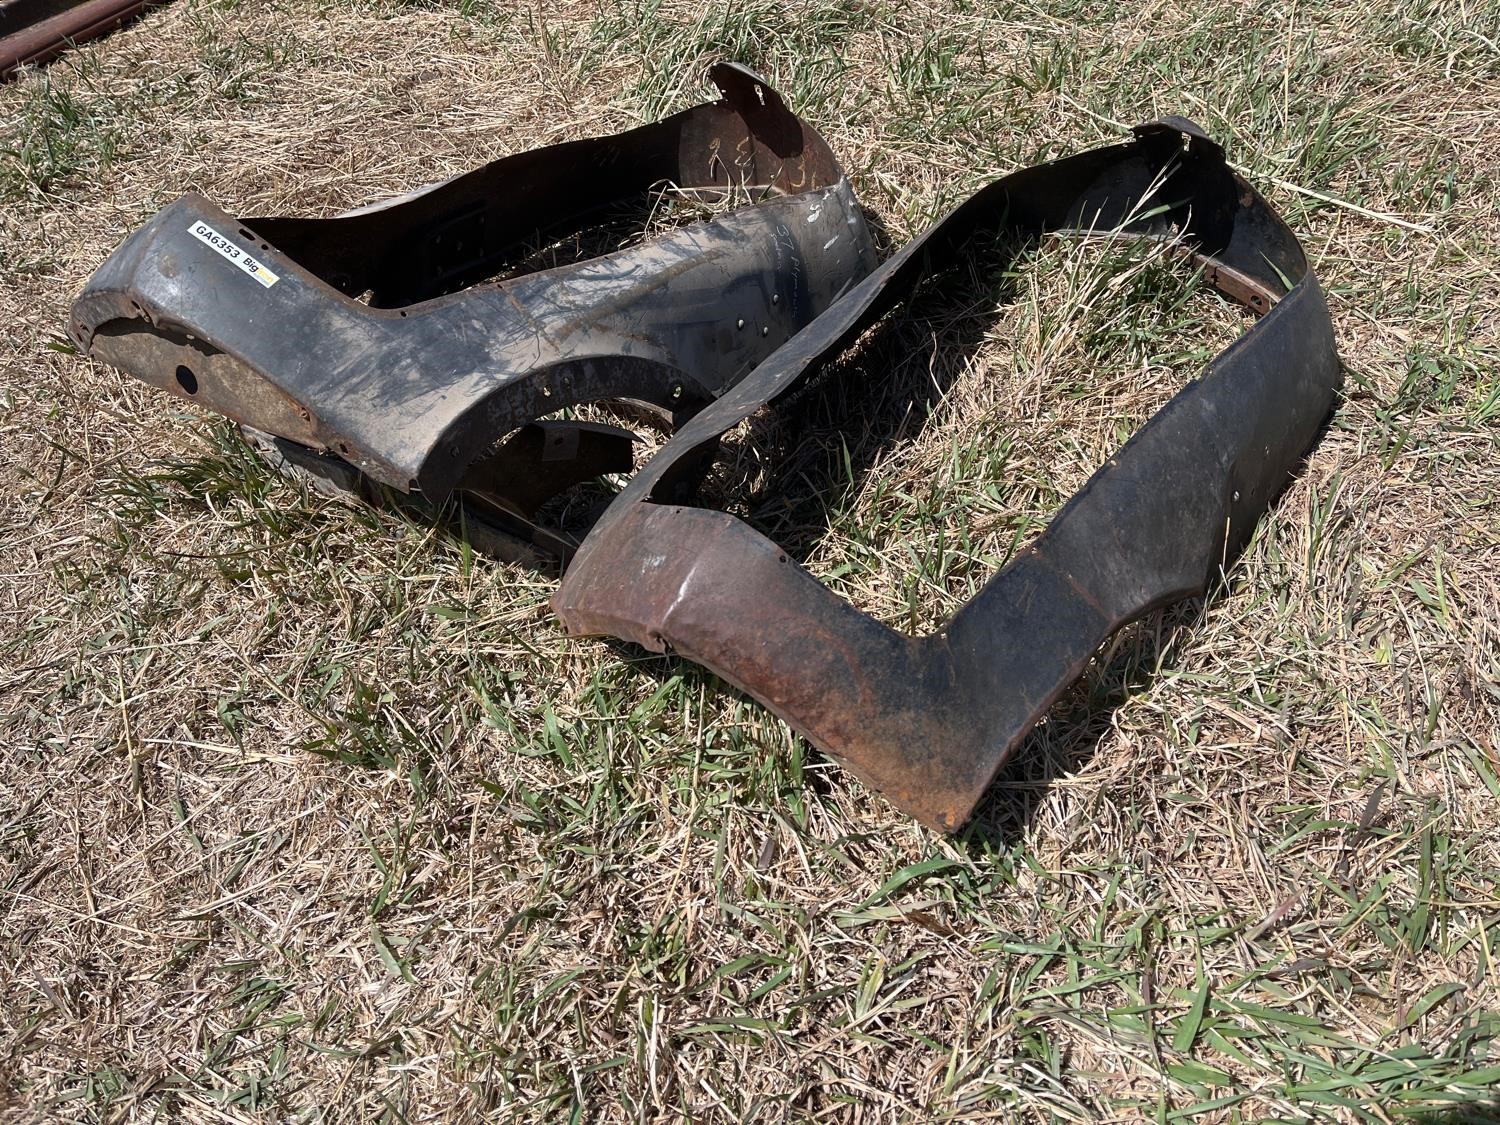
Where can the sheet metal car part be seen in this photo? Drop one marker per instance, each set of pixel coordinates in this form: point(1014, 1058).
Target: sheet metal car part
point(259, 319)
point(930, 720)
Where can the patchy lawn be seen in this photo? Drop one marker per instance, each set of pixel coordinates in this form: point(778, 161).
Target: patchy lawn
point(309, 812)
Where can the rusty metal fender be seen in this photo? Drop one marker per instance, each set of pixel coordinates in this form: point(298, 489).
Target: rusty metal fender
point(930, 720)
point(260, 319)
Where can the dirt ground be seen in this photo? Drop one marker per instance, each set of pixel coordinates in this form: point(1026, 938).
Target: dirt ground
point(309, 812)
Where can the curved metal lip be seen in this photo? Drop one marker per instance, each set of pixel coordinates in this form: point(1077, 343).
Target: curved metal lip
point(260, 319)
point(929, 721)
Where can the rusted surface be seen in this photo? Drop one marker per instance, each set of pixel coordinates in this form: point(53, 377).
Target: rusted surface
point(930, 720)
point(259, 319)
point(34, 31)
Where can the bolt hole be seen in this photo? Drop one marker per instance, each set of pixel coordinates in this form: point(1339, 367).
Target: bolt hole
point(186, 379)
point(248, 234)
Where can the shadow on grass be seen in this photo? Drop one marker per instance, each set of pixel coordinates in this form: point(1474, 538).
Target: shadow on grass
point(1486, 1112)
point(1069, 735)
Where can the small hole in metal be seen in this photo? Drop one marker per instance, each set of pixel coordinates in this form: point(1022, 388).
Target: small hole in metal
point(186, 379)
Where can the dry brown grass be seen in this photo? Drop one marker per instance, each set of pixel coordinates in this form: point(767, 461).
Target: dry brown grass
point(306, 812)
